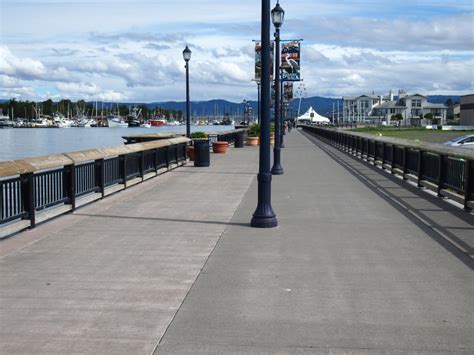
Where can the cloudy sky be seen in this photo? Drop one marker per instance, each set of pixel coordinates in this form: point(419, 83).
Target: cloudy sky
point(123, 50)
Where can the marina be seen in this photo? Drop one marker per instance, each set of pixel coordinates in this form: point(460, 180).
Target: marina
point(31, 142)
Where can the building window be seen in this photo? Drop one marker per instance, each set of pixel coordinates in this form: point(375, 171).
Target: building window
point(415, 103)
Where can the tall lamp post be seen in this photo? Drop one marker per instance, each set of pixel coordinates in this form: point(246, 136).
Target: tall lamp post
point(277, 18)
point(187, 58)
point(264, 217)
point(282, 120)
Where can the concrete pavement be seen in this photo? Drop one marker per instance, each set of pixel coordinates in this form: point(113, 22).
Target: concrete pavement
point(346, 272)
point(110, 277)
point(172, 266)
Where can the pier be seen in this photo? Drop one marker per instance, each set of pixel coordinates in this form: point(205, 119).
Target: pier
point(362, 262)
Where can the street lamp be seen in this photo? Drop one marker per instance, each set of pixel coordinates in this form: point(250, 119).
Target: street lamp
point(277, 18)
point(264, 217)
point(187, 58)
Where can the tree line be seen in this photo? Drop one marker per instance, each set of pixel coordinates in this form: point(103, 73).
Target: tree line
point(28, 109)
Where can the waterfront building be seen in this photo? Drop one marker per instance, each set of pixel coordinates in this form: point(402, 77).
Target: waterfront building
point(376, 109)
point(454, 112)
point(467, 110)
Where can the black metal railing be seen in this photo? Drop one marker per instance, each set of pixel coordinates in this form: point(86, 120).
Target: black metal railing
point(227, 136)
point(11, 206)
point(447, 171)
point(23, 194)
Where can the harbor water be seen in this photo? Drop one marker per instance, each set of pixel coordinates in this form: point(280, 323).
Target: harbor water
point(31, 142)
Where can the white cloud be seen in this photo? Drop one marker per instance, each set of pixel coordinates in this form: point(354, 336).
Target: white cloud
point(136, 55)
point(12, 65)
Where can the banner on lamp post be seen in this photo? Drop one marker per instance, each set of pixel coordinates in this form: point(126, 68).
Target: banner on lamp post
point(258, 61)
point(288, 91)
point(290, 61)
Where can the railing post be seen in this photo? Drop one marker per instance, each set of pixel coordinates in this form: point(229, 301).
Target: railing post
point(100, 176)
point(155, 160)
point(467, 184)
point(123, 168)
point(405, 165)
point(440, 175)
point(392, 154)
point(70, 184)
point(383, 155)
point(420, 167)
point(141, 165)
point(28, 195)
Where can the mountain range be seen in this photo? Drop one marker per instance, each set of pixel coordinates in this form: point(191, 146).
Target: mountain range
point(323, 105)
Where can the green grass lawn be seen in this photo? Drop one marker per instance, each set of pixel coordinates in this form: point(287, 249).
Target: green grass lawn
point(422, 134)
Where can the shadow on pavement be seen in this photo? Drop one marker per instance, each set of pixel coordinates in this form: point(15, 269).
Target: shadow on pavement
point(435, 217)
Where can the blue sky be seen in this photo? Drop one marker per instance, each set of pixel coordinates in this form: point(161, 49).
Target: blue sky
point(131, 50)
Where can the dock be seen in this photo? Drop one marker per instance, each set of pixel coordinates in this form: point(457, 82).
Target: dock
point(362, 262)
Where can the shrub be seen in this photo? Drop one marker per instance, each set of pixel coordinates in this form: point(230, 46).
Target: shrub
point(429, 116)
point(197, 135)
point(254, 130)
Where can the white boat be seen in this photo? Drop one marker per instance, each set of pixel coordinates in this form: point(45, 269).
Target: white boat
point(5, 122)
point(84, 121)
point(116, 121)
point(61, 121)
point(145, 125)
point(41, 123)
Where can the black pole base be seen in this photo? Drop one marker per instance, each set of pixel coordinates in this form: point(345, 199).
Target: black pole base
point(277, 169)
point(264, 217)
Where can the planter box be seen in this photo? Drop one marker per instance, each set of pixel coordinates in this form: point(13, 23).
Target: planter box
point(220, 147)
point(253, 141)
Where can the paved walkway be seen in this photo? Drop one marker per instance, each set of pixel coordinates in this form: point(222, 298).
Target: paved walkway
point(359, 264)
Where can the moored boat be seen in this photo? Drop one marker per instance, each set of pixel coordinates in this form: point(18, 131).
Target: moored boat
point(116, 121)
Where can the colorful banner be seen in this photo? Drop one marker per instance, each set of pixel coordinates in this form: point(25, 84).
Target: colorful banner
point(290, 61)
point(288, 91)
point(258, 61)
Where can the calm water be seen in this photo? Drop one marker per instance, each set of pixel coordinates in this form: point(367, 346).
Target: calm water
point(18, 143)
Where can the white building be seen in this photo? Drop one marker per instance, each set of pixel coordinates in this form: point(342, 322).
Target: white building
point(371, 108)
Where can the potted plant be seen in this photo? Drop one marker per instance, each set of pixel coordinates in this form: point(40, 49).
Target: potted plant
point(195, 136)
point(220, 147)
point(253, 134)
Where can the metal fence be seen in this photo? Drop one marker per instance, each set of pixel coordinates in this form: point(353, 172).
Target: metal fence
point(227, 136)
point(24, 194)
point(446, 172)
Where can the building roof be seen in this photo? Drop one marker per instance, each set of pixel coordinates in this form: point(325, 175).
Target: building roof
point(432, 105)
point(389, 104)
point(369, 96)
point(415, 95)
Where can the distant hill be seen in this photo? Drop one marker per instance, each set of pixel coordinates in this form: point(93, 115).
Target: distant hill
point(323, 105)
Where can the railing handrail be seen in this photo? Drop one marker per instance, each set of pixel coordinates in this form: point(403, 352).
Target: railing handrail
point(437, 148)
point(34, 164)
point(446, 170)
point(220, 133)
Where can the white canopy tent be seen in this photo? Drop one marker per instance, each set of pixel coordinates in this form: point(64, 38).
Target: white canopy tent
point(312, 116)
